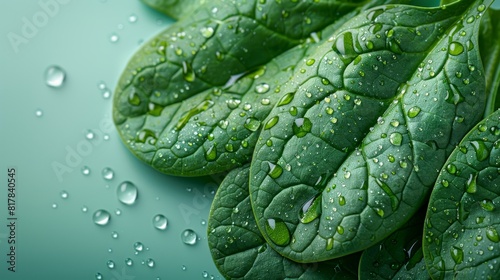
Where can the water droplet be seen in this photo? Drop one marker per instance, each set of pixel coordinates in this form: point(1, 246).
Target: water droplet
point(262, 88)
point(184, 268)
point(114, 235)
point(129, 262)
point(110, 264)
point(301, 127)
point(285, 99)
point(393, 198)
point(113, 38)
point(64, 194)
point(101, 217)
point(118, 212)
point(89, 134)
point(127, 193)
point(252, 124)
point(293, 111)
point(380, 212)
point(396, 138)
point(492, 235)
point(310, 210)
point(150, 262)
point(482, 152)
point(471, 185)
point(481, 8)
point(160, 222)
point(54, 205)
point(457, 254)
point(189, 237)
point(487, 205)
point(344, 44)
point(134, 99)
point(233, 103)
point(98, 276)
point(455, 48)
point(85, 170)
point(85, 209)
point(187, 72)
point(204, 274)
point(38, 112)
point(413, 111)
point(132, 18)
point(138, 247)
point(207, 32)
point(211, 153)
point(108, 173)
point(55, 76)
point(329, 243)
point(274, 170)
point(451, 168)
point(278, 232)
point(271, 122)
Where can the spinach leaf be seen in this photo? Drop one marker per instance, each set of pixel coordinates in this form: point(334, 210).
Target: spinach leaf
point(399, 256)
point(173, 106)
point(489, 46)
point(174, 8)
point(461, 233)
point(375, 113)
point(240, 251)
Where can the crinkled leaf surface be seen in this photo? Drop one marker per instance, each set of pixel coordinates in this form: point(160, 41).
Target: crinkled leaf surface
point(240, 251)
point(489, 43)
point(181, 73)
point(399, 256)
point(350, 158)
point(461, 233)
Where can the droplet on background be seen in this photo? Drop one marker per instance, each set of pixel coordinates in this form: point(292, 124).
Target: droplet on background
point(204, 274)
point(114, 38)
point(132, 18)
point(108, 173)
point(129, 262)
point(64, 194)
point(55, 76)
point(38, 113)
point(106, 137)
point(98, 276)
point(85, 209)
point(203, 222)
point(150, 262)
point(118, 212)
point(127, 193)
point(110, 264)
point(89, 134)
point(189, 237)
point(54, 205)
point(85, 170)
point(184, 268)
point(101, 217)
point(138, 247)
point(160, 222)
point(114, 234)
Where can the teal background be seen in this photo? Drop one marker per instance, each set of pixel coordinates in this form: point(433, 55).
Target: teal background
point(63, 242)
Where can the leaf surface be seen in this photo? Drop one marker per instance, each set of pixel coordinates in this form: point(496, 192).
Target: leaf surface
point(370, 124)
point(461, 233)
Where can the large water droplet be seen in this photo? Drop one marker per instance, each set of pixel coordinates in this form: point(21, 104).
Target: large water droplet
point(271, 122)
point(455, 48)
point(457, 254)
point(189, 237)
point(301, 127)
point(396, 138)
point(262, 88)
point(101, 217)
point(482, 151)
point(492, 235)
point(160, 222)
point(274, 170)
point(285, 99)
point(55, 76)
point(187, 71)
point(413, 111)
point(127, 193)
point(278, 232)
point(211, 153)
point(108, 173)
point(207, 32)
point(310, 210)
point(252, 124)
point(487, 205)
point(471, 185)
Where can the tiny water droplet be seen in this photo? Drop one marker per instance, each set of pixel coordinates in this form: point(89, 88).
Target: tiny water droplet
point(118, 212)
point(138, 247)
point(132, 18)
point(98, 276)
point(127, 193)
point(110, 264)
point(160, 222)
point(89, 134)
point(38, 112)
point(101, 217)
point(108, 173)
point(262, 88)
point(114, 38)
point(85, 209)
point(189, 237)
point(184, 268)
point(54, 205)
point(55, 76)
point(85, 170)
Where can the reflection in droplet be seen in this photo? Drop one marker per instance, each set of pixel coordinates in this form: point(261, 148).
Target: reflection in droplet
point(132, 18)
point(38, 112)
point(150, 262)
point(101, 217)
point(127, 193)
point(55, 76)
point(160, 222)
point(108, 173)
point(114, 38)
point(110, 264)
point(138, 247)
point(129, 262)
point(85, 170)
point(189, 237)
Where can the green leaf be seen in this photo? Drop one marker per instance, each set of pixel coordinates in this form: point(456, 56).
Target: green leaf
point(399, 256)
point(384, 115)
point(489, 46)
point(461, 233)
point(240, 251)
point(174, 8)
point(190, 101)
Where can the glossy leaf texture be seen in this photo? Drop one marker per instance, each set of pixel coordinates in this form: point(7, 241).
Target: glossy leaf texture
point(369, 126)
point(489, 43)
point(240, 251)
point(174, 8)
point(175, 96)
point(399, 256)
point(461, 233)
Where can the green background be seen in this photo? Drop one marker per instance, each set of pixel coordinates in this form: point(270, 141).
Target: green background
point(63, 242)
